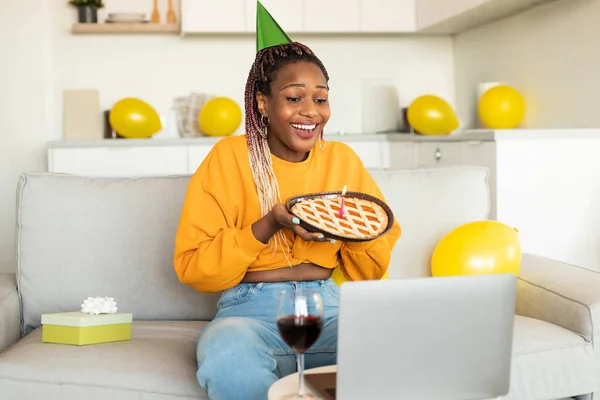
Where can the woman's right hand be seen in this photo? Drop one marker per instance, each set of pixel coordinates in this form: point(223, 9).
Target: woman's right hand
point(283, 219)
point(279, 218)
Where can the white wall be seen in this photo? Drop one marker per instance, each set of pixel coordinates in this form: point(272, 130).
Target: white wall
point(25, 49)
point(549, 189)
point(159, 68)
point(549, 53)
point(46, 59)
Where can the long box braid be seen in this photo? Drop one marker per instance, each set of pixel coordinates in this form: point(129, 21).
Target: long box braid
point(262, 73)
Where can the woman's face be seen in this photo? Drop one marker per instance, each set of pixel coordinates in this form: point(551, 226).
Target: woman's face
point(298, 109)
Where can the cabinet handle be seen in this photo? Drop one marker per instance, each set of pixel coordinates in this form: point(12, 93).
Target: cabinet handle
point(438, 154)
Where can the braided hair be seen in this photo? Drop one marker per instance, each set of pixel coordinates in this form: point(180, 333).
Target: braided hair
point(268, 61)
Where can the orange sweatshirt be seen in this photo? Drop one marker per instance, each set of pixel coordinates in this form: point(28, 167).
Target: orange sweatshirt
point(214, 244)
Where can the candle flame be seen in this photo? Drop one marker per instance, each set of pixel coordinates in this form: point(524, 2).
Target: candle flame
point(344, 190)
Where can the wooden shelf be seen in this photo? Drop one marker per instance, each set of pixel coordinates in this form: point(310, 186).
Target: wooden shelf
point(125, 28)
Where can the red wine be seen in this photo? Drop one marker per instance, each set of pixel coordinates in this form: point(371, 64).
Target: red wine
point(300, 333)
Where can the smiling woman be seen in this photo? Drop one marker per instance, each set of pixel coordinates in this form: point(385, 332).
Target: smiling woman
point(236, 235)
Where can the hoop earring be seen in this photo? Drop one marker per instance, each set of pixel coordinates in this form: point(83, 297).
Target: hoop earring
point(322, 143)
point(265, 122)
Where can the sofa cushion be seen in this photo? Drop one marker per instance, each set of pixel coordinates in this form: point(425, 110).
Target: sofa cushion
point(428, 203)
point(549, 362)
point(79, 237)
point(159, 362)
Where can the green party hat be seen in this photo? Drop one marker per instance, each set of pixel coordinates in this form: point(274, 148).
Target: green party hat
point(268, 31)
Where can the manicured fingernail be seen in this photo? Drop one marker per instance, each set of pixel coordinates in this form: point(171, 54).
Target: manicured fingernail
point(332, 241)
point(320, 237)
point(296, 221)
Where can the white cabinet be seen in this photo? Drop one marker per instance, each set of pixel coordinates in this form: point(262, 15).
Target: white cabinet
point(289, 14)
point(373, 154)
point(388, 16)
point(403, 154)
point(197, 154)
point(335, 16)
point(181, 156)
point(444, 154)
point(205, 16)
point(348, 16)
point(128, 157)
point(119, 161)
point(448, 154)
point(440, 154)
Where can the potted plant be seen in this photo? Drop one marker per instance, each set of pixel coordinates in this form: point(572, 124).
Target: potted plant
point(88, 10)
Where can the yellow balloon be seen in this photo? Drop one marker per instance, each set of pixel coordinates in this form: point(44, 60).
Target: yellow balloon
point(339, 278)
point(482, 247)
point(134, 118)
point(432, 115)
point(220, 116)
point(501, 107)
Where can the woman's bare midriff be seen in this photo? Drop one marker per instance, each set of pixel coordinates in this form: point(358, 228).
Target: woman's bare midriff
point(299, 273)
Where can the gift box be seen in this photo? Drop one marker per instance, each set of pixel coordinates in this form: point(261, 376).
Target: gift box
point(77, 328)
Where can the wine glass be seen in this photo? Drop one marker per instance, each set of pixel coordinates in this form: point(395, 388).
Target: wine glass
point(300, 322)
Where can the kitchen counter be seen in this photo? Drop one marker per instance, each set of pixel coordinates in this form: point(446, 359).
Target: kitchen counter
point(467, 135)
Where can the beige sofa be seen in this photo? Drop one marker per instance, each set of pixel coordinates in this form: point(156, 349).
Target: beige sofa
point(80, 237)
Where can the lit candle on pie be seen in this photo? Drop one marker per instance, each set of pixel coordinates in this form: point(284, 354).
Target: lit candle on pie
point(342, 206)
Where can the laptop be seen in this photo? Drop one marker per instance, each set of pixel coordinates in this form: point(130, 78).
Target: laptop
point(443, 338)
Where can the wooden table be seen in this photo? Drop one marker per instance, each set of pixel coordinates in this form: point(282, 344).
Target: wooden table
point(289, 384)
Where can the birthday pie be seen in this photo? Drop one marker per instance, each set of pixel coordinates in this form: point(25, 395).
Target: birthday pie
point(362, 218)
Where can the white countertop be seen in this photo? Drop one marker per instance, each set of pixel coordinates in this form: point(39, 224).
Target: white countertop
point(534, 134)
point(467, 135)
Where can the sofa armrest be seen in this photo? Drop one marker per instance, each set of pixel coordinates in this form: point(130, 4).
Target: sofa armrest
point(561, 294)
point(10, 316)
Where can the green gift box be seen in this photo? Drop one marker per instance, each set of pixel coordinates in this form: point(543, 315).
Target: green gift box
point(77, 328)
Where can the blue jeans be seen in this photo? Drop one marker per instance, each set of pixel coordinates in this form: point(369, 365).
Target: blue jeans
point(240, 353)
